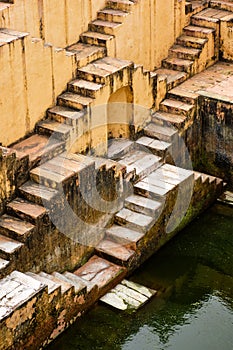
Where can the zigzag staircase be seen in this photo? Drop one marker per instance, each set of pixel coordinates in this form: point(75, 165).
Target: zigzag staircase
point(137, 225)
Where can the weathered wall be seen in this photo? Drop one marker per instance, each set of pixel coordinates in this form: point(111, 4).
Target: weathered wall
point(7, 177)
point(33, 75)
point(59, 23)
point(217, 138)
point(226, 39)
point(149, 32)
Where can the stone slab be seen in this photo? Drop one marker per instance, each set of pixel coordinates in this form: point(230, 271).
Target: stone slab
point(102, 273)
point(226, 198)
point(27, 210)
point(133, 220)
point(128, 296)
point(39, 147)
point(123, 235)
point(15, 228)
point(119, 252)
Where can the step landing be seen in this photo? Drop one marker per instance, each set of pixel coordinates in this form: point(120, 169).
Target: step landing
point(102, 273)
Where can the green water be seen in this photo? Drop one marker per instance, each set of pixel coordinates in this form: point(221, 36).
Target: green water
point(194, 306)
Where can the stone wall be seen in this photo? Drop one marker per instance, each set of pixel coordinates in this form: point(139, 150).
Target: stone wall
point(33, 75)
point(226, 40)
point(36, 71)
point(7, 177)
point(217, 138)
point(59, 23)
point(148, 43)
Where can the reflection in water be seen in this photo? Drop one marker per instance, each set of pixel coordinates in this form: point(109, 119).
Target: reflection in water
point(194, 306)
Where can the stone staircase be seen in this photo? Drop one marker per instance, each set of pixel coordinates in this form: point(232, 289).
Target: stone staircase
point(102, 31)
point(71, 117)
point(55, 299)
point(152, 190)
point(198, 46)
point(136, 228)
point(44, 167)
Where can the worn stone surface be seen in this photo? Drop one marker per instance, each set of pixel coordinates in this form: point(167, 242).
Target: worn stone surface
point(128, 295)
point(47, 248)
point(101, 272)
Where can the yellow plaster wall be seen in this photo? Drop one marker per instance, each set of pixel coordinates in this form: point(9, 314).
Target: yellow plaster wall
point(59, 22)
point(33, 75)
point(149, 31)
point(36, 71)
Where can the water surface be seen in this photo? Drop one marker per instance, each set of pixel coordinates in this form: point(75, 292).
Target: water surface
point(193, 310)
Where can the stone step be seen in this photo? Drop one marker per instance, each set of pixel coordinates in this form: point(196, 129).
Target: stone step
point(222, 5)
point(28, 211)
point(84, 88)
point(179, 64)
point(164, 180)
point(135, 221)
point(100, 71)
point(116, 252)
point(140, 163)
point(174, 77)
point(112, 15)
point(172, 120)
point(37, 193)
point(124, 236)
point(65, 115)
point(17, 290)
point(51, 175)
point(101, 272)
point(123, 5)
point(176, 107)
point(198, 5)
point(4, 264)
point(117, 148)
point(75, 101)
point(61, 169)
point(183, 52)
point(128, 296)
point(56, 130)
point(171, 174)
point(10, 35)
point(162, 133)
point(85, 53)
point(48, 178)
point(79, 288)
point(88, 286)
point(183, 95)
point(152, 188)
point(4, 5)
point(9, 248)
point(226, 198)
point(198, 31)
point(104, 27)
point(66, 288)
point(39, 148)
point(203, 19)
point(214, 13)
point(15, 228)
point(191, 41)
point(157, 147)
point(95, 38)
point(53, 287)
point(143, 205)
